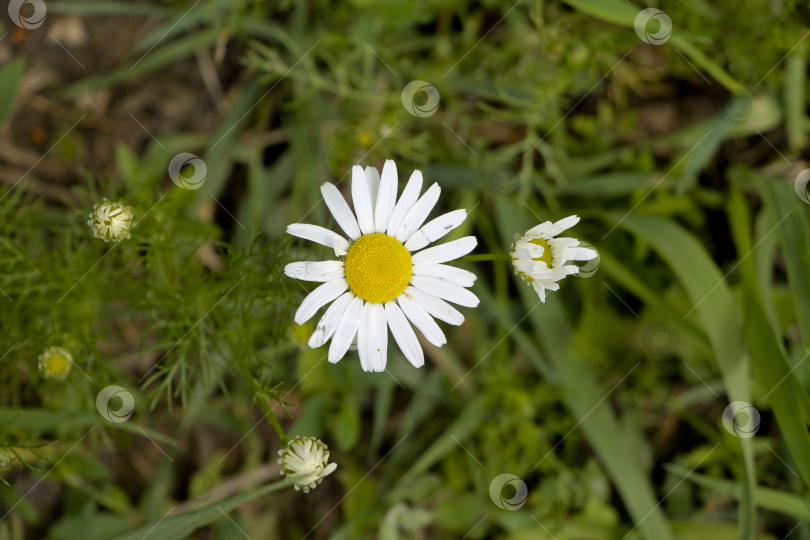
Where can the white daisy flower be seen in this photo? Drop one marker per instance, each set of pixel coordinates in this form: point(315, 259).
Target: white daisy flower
point(540, 257)
point(380, 281)
point(111, 221)
point(55, 363)
point(305, 460)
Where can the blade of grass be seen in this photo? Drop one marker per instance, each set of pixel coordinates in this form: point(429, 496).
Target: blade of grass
point(771, 367)
point(10, 76)
point(183, 525)
point(767, 498)
point(719, 315)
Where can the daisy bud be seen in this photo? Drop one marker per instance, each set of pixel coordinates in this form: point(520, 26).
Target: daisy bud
point(111, 221)
point(55, 363)
point(540, 258)
point(305, 460)
point(6, 458)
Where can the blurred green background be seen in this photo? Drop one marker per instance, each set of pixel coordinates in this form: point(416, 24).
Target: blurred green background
point(679, 135)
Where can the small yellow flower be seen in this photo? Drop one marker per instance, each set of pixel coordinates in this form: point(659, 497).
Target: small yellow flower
point(6, 459)
point(305, 460)
point(111, 221)
point(55, 363)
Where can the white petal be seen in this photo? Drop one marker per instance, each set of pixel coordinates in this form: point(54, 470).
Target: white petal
point(436, 306)
point(315, 270)
point(446, 252)
point(372, 338)
point(422, 320)
point(580, 254)
point(435, 229)
point(459, 276)
point(386, 197)
point(419, 212)
point(548, 229)
point(317, 234)
point(563, 224)
point(373, 178)
point(319, 298)
point(346, 330)
point(446, 290)
point(404, 335)
point(329, 322)
point(540, 290)
point(409, 196)
point(340, 209)
point(361, 196)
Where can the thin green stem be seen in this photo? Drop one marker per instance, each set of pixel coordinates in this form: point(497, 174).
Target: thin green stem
point(486, 257)
point(271, 417)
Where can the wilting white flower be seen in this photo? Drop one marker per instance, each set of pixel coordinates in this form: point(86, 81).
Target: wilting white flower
point(540, 257)
point(111, 221)
point(55, 363)
point(6, 458)
point(305, 460)
point(380, 281)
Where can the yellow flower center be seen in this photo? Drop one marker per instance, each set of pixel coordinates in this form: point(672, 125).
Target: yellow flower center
point(56, 365)
point(378, 268)
point(546, 258)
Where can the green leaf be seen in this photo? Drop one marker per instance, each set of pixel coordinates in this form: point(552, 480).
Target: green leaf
point(792, 231)
point(10, 76)
point(346, 427)
point(184, 524)
point(770, 499)
point(718, 314)
point(773, 371)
